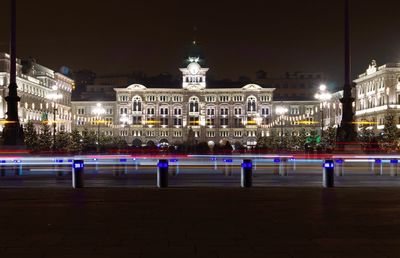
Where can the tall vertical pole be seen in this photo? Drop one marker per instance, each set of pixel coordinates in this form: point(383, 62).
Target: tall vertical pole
point(12, 133)
point(346, 131)
point(281, 131)
point(54, 126)
point(322, 120)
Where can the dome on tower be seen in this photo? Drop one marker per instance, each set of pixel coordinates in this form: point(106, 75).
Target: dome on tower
point(194, 53)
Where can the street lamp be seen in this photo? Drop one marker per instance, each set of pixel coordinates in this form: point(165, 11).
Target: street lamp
point(323, 96)
point(281, 110)
point(54, 96)
point(98, 111)
point(125, 122)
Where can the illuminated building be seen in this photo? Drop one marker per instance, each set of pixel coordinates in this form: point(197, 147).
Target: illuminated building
point(145, 115)
point(36, 84)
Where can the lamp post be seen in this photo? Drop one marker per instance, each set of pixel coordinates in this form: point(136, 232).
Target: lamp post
point(13, 134)
point(54, 96)
point(323, 96)
point(125, 122)
point(281, 110)
point(98, 111)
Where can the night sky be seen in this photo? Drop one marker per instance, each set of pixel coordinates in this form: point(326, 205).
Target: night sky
point(238, 37)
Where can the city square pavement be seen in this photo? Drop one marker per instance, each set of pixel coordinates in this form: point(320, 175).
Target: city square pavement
point(200, 222)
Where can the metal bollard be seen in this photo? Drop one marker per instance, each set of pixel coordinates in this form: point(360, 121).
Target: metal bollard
point(283, 168)
point(162, 173)
point(3, 169)
point(377, 167)
point(17, 168)
point(228, 167)
point(175, 168)
point(277, 162)
point(394, 166)
point(57, 168)
point(246, 175)
point(339, 167)
point(77, 174)
point(328, 177)
point(215, 163)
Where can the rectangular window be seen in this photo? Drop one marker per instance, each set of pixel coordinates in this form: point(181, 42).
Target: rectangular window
point(210, 111)
point(224, 134)
point(224, 121)
point(151, 111)
point(177, 98)
point(193, 121)
point(238, 111)
point(265, 111)
point(164, 98)
point(124, 98)
point(210, 98)
point(137, 120)
point(177, 111)
point(224, 98)
point(151, 98)
point(224, 111)
point(238, 133)
point(177, 134)
point(237, 122)
point(177, 121)
point(164, 121)
point(123, 111)
point(163, 111)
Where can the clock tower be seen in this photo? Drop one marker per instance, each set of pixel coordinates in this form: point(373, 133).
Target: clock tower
point(193, 74)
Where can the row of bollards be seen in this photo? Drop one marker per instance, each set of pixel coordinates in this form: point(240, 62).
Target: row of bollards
point(246, 174)
point(246, 181)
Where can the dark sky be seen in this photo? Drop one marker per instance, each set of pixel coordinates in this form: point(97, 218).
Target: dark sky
point(238, 37)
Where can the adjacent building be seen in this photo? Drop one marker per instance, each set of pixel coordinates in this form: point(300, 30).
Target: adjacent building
point(45, 94)
point(377, 92)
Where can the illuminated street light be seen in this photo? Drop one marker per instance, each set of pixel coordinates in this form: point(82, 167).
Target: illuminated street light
point(54, 96)
point(323, 96)
point(98, 111)
point(281, 110)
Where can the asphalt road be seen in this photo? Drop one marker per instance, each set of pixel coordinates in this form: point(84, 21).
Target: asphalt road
point(199, 222)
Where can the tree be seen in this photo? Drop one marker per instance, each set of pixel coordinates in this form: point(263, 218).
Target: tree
point(45, 137)
point(63, 140)
point(119, 142)
point(269, 143)
point(328, 141)
point(366, 137)
point(31, 136)
point(88, 140)
point(390, 133)
point(75, 145)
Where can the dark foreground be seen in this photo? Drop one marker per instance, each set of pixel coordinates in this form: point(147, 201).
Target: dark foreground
point(205, 222)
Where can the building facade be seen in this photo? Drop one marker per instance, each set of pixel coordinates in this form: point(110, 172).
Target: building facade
point(377, 93)
point(146, 116)
point(45, 94)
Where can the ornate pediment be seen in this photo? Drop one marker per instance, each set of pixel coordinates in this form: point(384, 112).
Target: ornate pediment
point(136, 87)
point(372, 68)
point(252, 87)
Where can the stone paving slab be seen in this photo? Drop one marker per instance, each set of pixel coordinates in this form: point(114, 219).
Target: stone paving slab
point(204, 222)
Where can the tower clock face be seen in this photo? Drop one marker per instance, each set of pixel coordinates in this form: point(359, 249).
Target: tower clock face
point(193, 68)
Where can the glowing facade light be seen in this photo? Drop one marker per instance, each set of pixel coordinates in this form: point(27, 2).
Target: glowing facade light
point(99, 110)
point(281, 110)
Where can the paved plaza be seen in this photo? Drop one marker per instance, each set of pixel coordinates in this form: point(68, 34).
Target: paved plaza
point(200, 222)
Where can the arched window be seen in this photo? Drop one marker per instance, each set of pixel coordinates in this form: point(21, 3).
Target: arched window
point(251, 104)
point(194, 104)
point(137, 104)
